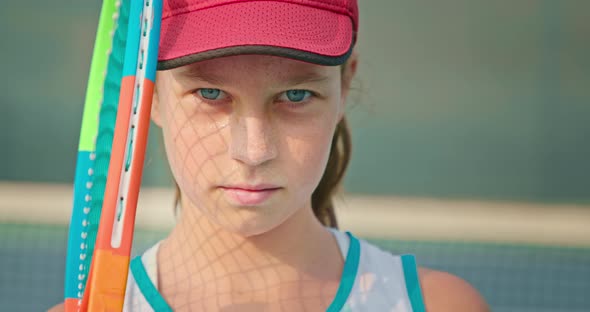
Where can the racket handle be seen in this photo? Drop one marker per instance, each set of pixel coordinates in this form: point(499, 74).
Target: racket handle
point(108, 292)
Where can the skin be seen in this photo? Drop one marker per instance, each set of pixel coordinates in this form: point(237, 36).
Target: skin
point(224, 255)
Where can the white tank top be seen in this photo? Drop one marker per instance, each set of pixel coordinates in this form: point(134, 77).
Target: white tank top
point(372, 280)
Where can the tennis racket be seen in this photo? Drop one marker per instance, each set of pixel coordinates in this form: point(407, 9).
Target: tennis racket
point(109, 168)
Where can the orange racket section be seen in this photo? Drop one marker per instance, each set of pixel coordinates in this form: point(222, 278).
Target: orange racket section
point(109, 269)
point(71, 304)
point(109, 282)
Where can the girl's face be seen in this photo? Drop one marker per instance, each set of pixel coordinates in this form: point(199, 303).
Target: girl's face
point(248, 137)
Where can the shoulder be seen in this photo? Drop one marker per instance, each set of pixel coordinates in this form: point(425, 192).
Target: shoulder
point(444, 292)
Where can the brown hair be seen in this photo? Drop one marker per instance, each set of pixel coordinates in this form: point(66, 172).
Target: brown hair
point(321, 199)
point(322, 203)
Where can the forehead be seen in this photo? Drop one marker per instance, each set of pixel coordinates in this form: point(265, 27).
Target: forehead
point(256, 67)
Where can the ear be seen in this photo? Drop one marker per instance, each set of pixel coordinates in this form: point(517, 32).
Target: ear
point(348, 73)
point(156, 109)
point(349, 70)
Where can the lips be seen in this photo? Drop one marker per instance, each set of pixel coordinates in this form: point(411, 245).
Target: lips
point(249, 195)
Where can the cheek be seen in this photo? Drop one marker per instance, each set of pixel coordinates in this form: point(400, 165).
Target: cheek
point(195, 143)
point(307, 147)
point(307, 158)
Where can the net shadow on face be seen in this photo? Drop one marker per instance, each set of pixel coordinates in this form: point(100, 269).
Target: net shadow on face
point(201, 266)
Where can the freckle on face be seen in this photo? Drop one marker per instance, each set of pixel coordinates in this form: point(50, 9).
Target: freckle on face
point(198, 142)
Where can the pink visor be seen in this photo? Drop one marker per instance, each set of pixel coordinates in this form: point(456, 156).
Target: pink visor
point(316, 31)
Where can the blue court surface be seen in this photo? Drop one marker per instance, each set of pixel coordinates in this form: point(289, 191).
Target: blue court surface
point(515, 278)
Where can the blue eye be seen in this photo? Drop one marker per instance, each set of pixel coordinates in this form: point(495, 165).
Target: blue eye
point(210, 94)
point(297, 95)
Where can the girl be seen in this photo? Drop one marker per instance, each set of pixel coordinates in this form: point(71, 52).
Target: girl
point(250, 98)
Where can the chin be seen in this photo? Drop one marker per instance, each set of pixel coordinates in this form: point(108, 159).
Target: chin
point(253, 221)
point(250, 228)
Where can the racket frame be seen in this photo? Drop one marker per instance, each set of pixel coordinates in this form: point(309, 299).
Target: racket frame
point(106, 283)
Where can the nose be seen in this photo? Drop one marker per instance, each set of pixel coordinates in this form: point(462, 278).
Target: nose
point(252, 140)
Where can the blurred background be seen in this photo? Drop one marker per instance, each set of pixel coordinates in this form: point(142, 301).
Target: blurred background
point(471, 133)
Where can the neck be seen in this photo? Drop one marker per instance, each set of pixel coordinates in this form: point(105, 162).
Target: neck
point(300, 243)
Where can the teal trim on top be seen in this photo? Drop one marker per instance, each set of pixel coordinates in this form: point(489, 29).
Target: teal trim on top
point(348, 274)
point(157, 302)
point(147, 288)
point(413, 283)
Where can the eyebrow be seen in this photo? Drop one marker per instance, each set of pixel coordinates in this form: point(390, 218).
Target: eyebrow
point(306, 77)
point(193, 73)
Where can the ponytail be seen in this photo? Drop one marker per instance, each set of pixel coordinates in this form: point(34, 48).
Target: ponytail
point(340, 151)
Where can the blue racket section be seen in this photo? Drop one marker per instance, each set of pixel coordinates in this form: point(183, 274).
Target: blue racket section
point(81, 180)
point(133, 37)
point(152, 60)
